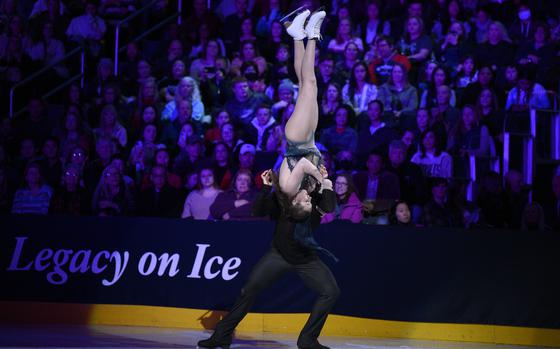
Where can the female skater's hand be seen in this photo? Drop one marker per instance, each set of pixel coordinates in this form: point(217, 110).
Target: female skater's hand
point(267, 177)
point(324, 171)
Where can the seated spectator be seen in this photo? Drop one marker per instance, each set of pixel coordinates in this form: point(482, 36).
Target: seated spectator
point(486, 78)
point(528, 94)
point(160, 199)
point(190, 156)
point(452, 15)
point(172, 78)
point(35, 196)
point(259, 125)
point(466, 73)
point(497, 51)
point(148, 115)
point(236, 203)
point(144, 151)
point(229, 135)
point(481, 24)
point(173, 131)
point(454, 47)
point(433, 161)
point(175, 50)
point(377, 184)
point(27, 154)
point(429, 96)
point(400, 214)
point(88, 26)
point(440, 211)
point(223, 170)
point(376, 136)
point(415, 44)
point(523, 27)
point(105, 148)
point(72, 133)
point(538, 51)
point(344, 35)
point(214, 134)
point(399, 98)
point(326, 73)
point(412, 183)
point(78, 157)
point(71, 198)
point(533, 217)
point(359, 91)
point(207, 61)
point(187, 89)
point(286, 92)
point(198, 202)
point(470, 137)
point(350, 56)
point(341, 136)
point(553, 210)
point(119, 162)
point(425, 121)
point(380, 68)
point(373, 27)
point(51, 166)
point(249, 54)
point(242, 106)
point(348, 205)
point(112, 197)
point(162, 159)
point(109, 127)
point(282, 67)
point(48, 50)
point(491, 116)
point(330, 101)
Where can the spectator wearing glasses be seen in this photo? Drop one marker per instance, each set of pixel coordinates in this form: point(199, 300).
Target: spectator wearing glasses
point(71, 198)
point(160, 199)
point(348, 205)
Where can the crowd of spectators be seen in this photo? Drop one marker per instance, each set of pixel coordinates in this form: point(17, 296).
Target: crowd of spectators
point(408, 90)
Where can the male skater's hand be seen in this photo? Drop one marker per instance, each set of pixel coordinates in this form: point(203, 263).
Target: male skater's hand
point(267, 177)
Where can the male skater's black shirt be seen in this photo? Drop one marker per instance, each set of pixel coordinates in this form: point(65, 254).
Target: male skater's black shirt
point(266, 203)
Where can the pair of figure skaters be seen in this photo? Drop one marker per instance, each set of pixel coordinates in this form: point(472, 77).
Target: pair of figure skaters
point(302, 194)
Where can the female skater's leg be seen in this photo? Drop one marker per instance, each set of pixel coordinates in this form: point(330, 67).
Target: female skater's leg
point(302, 124)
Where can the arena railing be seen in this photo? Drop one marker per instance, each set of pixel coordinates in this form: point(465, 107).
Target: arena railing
point(529, 138)
point(77, 50)
point(118, 48)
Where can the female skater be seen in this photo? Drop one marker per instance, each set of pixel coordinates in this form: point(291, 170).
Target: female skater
point(300, 170)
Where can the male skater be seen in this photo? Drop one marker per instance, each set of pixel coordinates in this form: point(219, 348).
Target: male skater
point(286, 254)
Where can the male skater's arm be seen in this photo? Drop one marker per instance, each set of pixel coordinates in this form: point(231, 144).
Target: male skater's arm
point(265, 203)
point(327, 197)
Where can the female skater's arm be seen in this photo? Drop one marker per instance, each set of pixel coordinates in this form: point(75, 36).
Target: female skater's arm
point(291, 184)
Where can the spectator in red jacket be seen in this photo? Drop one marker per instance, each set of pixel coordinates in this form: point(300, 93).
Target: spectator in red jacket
point(380, 68)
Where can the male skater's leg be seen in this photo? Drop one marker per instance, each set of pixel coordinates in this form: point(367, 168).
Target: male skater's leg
point(318, 277)
point(266, 271)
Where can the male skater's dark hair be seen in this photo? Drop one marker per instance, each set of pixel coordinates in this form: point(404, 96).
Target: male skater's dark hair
point(289, 209)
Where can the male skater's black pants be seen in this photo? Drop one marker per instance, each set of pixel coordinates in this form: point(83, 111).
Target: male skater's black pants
point(315, 274)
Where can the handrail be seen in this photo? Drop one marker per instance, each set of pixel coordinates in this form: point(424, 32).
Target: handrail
point(131, 17)
point(151, 30)
point(56, 89)
point(43, 70)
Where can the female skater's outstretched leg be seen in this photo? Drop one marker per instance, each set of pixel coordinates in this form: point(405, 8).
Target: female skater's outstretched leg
point(301, 126)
